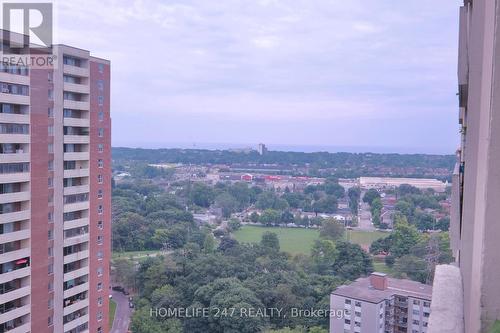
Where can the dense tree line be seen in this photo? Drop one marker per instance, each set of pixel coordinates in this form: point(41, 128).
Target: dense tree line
point(413, 254)
point(239, 276)
point(344, 164)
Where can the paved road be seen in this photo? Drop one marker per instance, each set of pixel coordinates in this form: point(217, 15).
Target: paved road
point(123, 313)
point(365, 217)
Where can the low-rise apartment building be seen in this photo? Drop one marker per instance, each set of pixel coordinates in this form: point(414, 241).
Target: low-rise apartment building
point(380, 304)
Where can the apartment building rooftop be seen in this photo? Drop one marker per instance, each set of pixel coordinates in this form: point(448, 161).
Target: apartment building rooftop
point(378, 287)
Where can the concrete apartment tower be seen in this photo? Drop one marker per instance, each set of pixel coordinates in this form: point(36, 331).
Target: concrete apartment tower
point(475, 220)
point(55, 194)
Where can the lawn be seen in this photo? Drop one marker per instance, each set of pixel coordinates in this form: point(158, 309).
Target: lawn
point(112, 311)
point(381, 267)
point(292, 240)
point(365, 237)
point(299, 240)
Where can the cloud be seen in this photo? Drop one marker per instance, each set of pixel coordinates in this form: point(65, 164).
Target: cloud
point(283, 61)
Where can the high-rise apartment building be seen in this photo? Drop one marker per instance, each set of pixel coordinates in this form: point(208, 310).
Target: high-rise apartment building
point(55, 193)
point(379, 304)
point(467, 298)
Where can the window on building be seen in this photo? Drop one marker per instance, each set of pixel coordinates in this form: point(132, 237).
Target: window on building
point(100, 68)
point(50, 321)
point(50, 234)
point(51, 112)
point(100, 115)
point(99, 194)
point(99, 315)
point(100, 132)
point(51, 182)
point(357, 303)
point(100, 147)
point(100, 225)
point(347, 301)
point(50, 268)
point(99, 209)
point(51, 148)
point(100, 84)
point(100, 100)
point(50, 286)
point(100, 255)
point(99, 301)
point(100, 240)
point(100, 163)
point(100, 179)
point(100, 271)
point(99, 286)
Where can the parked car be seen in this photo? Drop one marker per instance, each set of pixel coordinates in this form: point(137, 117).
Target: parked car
point(131, 305)
point(130, 299)
point(126, 293)
point(119, 288)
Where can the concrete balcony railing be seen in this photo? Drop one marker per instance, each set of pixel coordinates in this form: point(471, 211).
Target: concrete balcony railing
point(23, 328)
point(76, 306)
point(75, 87)
point(15, 138)
point(73, 207)
point(14, 99)
point(14, 158)
point(76, 189)
point(81, 139)
point(76, 105)
point(15, 313)
point(76, 223)
point(14, 197)
point(15, 294)
point(76, 71)
point(17, 177)
point(76, 322)
point(447, 306)
point(76, 290)
point(15, 274)
point(75, 173)
point(76, 122)
point(76, 256)
point(14, 78)
point(13, 118)
point(76, 240)
point(76, 273)
point(15, 216)
point(80, 156)
point(15, 236)
point(14, 255)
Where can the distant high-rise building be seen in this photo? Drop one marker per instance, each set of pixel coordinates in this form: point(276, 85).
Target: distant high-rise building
point(471, 301)
point(379, 304)
point(262, 149)
point(55, 194)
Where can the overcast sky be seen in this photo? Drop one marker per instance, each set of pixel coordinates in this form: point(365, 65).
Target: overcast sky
point(357, 73)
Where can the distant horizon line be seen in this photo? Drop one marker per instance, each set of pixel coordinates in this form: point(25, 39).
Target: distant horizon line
point(298, 148)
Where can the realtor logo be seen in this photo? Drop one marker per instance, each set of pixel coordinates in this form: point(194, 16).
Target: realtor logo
point(30, 19)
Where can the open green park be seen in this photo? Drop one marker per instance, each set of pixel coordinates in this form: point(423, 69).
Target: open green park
point(301, 240)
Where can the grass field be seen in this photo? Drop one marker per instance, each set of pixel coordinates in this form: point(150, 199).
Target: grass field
point(365, 237)
point(112, 311)
point(381, 267)
point(298, 240)
point(292, 240)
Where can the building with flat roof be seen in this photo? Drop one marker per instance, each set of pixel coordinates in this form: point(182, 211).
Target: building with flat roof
point(381, 183)
point(55, 193)
point(380, 304)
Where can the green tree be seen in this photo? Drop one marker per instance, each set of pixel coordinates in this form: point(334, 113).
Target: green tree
point(370, 195)
point(234, 224)
point(270, 240)
point(324, 255)
point(332, 229)
point(405, 236)
point(270, 217)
